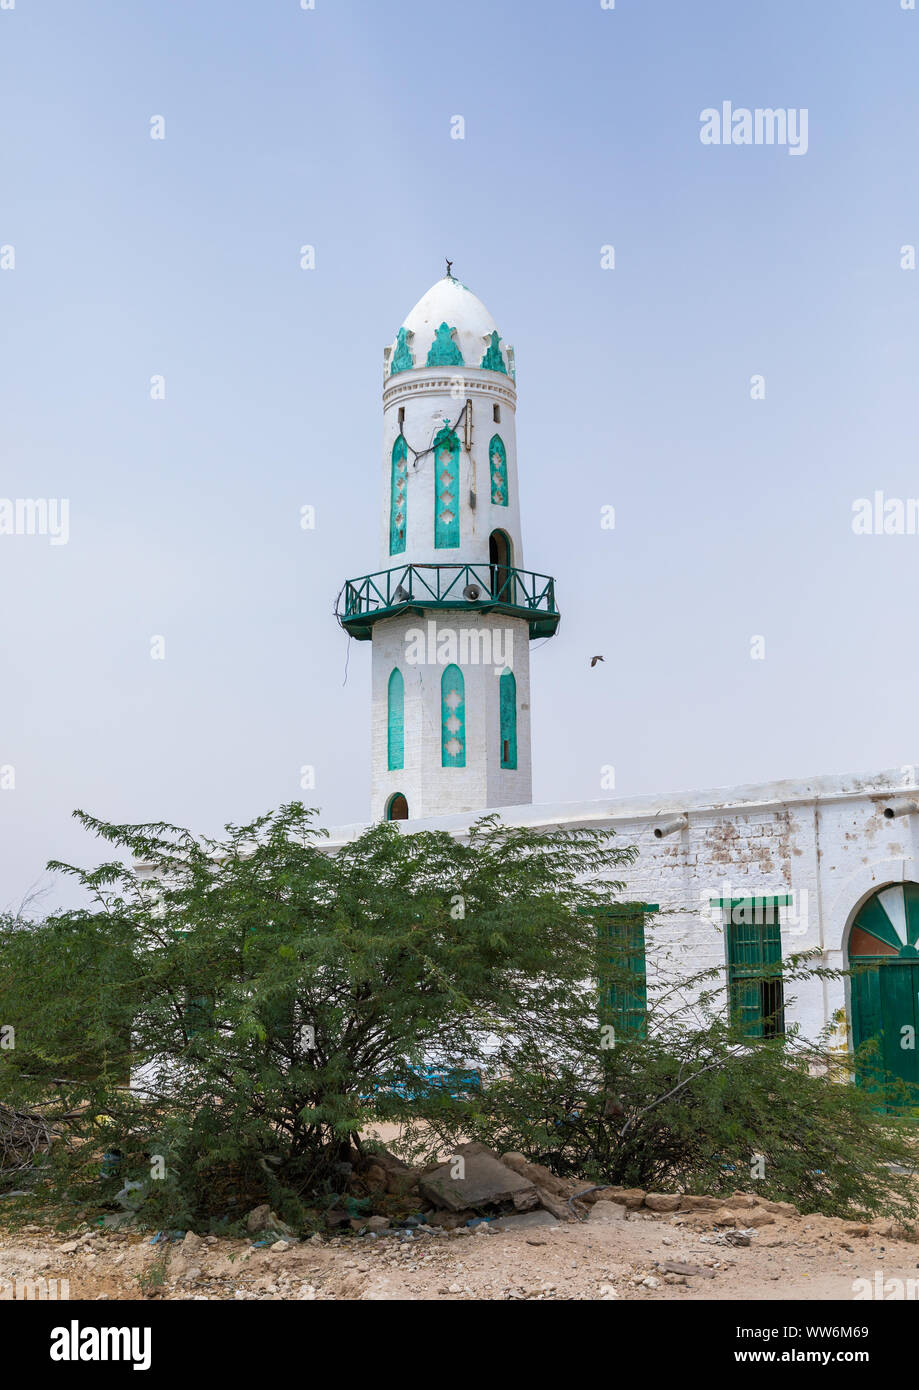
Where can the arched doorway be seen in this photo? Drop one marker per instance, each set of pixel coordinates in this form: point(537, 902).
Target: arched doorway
point(501, 559)
point(397, 807)
point(884, 985)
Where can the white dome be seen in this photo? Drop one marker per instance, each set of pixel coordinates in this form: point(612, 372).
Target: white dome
point(470, 338)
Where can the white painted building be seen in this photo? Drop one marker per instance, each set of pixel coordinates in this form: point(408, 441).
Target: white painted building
point(832, 861)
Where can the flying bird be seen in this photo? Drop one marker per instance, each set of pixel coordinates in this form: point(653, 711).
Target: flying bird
point(595, 659)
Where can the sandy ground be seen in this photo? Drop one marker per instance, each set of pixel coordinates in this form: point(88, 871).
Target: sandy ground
point(607, 1257)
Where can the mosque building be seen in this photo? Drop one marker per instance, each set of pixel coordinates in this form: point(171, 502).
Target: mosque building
point(738, 877)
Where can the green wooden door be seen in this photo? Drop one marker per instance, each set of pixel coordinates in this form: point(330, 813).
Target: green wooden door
point(885, 995)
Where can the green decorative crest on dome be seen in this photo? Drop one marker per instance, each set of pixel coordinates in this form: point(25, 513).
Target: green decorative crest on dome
point(403, 359)
point(444, 351)
point(494, 358)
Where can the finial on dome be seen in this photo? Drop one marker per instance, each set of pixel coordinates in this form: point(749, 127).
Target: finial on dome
point(449, 270)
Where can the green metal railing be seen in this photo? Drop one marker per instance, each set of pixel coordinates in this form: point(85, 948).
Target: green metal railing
point(481, 588)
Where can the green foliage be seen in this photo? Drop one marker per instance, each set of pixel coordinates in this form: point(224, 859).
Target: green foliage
point(268, 986)
point(693, 1106)
point(273, 1001)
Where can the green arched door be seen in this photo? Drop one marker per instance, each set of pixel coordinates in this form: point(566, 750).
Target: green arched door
point(884, 960)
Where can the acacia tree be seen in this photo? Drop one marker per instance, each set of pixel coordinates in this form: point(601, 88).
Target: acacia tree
point(278, 997)
point(689, 1102)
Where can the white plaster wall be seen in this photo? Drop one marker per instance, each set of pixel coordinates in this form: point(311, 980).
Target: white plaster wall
point(825, 840)
point(429, 396)
point(430, 788)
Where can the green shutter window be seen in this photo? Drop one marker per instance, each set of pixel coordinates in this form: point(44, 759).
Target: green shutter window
point(398, 505)
point(507, 699)
point(497, 456)
point(626, 1000)
point(446, 490)
point(395, 721)
point(453, 718)
point(753, 938)
point(199, 1014)
point(621, 969)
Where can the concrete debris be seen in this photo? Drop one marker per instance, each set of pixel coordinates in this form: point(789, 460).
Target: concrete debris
point(485, 1181)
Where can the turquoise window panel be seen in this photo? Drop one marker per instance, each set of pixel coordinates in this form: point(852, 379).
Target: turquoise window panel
point(497, 458)
point(398, 505)
point(446, 490)
point(395, 721)
point(507, 701)
point(494, 357)
point(444, 349)
point(453, 718)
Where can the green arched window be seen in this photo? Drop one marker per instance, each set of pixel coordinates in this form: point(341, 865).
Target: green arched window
point(398, 506)
point(395, 721)
point(446, 490)
point(453, 718)
point(497, 457)
point(507, 698)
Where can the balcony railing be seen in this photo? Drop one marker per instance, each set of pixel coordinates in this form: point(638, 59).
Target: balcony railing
point(484, 588)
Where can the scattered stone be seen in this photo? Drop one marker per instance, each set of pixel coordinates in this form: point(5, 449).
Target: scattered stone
point(758, 1217)
point(69, 1246)
point(537, 1174)
point(486, 1181)
point(679, 1267)
point(280, 1246)
point(558, 1207)
point(607, 1212)
point(724, 1218)
point(629, 1197)
point(662, 1201)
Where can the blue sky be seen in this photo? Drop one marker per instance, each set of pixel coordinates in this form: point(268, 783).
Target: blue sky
point(331, 127)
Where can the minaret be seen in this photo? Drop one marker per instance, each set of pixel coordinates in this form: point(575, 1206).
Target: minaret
point(451, 610)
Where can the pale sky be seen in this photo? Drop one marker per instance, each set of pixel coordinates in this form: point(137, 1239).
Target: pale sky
point(180, 257)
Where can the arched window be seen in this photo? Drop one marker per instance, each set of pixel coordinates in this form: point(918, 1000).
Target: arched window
point(395, 721)
point(507, 699)
point(497, 457)
point(446, 490)
point(500, 557)
point(397, 807)
point(453, 718)
point(398, 505)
